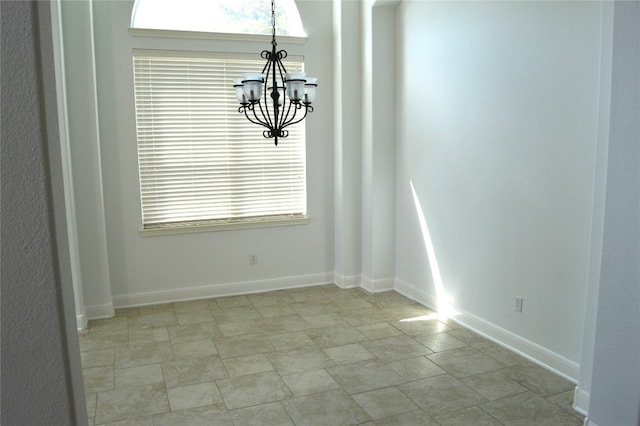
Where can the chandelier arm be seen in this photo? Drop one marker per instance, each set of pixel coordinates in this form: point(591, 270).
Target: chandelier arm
point(285, 117)
point(260, 123)
point(306, 110)
point(267, 120)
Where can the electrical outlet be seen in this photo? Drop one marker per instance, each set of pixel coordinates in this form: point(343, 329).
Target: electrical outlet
point(518, 306)
point(253, 259)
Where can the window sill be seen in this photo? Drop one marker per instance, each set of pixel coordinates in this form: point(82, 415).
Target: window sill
point(171, 229)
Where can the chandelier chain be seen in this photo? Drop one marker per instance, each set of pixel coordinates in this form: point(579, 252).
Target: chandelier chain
point(273, 21)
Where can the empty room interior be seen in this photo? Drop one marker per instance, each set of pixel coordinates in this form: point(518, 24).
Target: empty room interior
point(462, 248)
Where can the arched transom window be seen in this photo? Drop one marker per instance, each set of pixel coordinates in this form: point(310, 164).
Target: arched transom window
point(217, 16)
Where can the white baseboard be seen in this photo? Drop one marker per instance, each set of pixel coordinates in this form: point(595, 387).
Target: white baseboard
point(530, 350)
point(82, 322)
point(98, 311)
point(220, 290)
point(347, 281)
point(377, 286)
point(581, 401)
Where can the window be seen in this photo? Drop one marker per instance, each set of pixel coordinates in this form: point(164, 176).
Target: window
point(201, 162)
point(221, 16)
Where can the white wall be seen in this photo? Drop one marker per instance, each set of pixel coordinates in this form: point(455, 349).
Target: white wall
point(497, 125)
point(153, 269)
point(615, 363)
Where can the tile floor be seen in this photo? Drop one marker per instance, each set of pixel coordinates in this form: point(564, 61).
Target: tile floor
point(314, 356)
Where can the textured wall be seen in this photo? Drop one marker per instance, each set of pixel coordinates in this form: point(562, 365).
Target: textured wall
point(36, 377)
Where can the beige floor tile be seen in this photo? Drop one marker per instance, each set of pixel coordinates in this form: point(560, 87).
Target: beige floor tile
point(472, 339)
point(364, 376)
point(416, 368)
point(272, 414)
point(241, 313)
point(98, 379)
point(395, 348)
point(335, 336)
point(412, 418)
point(238, 327)
point(136, 376)
point(143, 354)
point(244, 365)
point(276, 311)
point(194, 349)
point(295, 339)
point(441, 394)
point(148, 335)
point(326, 408)
point(98, 358)
point(91, 400)
point(310, 382)
point(352, 304)
point(243, 345)
point(329, 319)
point(349, 353)
point(194, 396)
point(440, 342)
point(464, 362)
point(407, 311)
point(109, 324)
point(279, 325)
point(191, 371)
point(385, 402)
point(379, 330)
point(529, 409)
point(299, 360)
point(154, 319)
point(202, 416)
point(493, 385)
point(314, 307)
point(193, 317)
point(504, 356)
point(469, 416)
point(367, 316)
point(421, 327)
point(103, 340)
point(255, 389)
point(538, 379)
point(194, 332)
point(565, 400)
point(127, 312)
point(140, 421)
point(131, 403)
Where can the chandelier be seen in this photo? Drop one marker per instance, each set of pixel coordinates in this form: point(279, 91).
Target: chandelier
point(288, 96)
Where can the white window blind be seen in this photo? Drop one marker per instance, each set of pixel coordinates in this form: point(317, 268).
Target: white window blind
point(202, 162)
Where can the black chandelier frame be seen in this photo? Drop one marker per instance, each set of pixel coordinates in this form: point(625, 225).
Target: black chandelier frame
point(277, 111)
